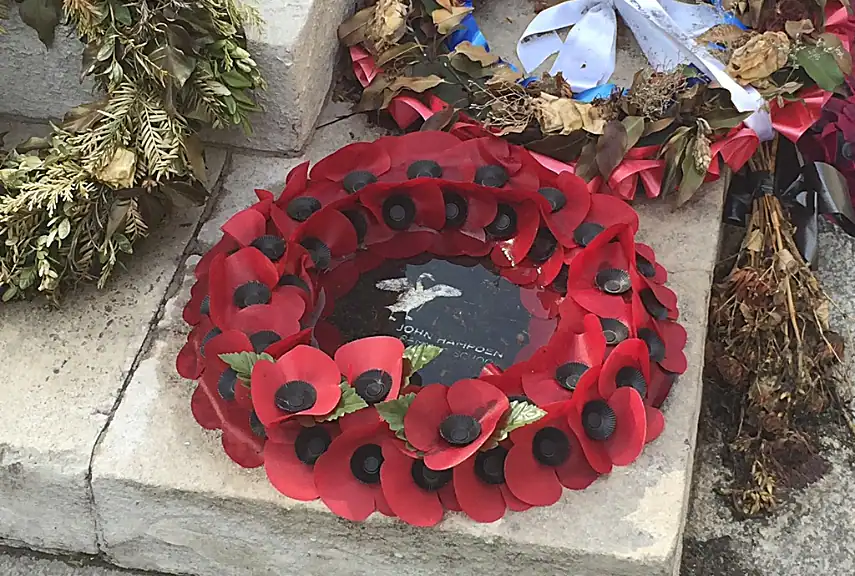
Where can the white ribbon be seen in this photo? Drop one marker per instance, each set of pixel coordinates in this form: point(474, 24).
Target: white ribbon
point(664, 29)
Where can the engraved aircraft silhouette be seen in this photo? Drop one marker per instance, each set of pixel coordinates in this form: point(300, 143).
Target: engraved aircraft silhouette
point(414, 297)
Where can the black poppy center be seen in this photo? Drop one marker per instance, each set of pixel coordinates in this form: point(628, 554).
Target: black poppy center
point(293, 280)
point(598, 420)
point(613, 281)
point(555, 197)
point(456, 209)
point(490, 465)
point(560, 282)
point(256, 426)
point(645, 267)
point(295, 396)
point(226, 384)
point(586, 232)
point(629, 376)
point(427, 479)
point(655, 345)
point(543, 247)
point(271, 246)
point(567, 375)
point(318, 251)
point(261, 340)
point(653, 306)
point(251, 293)
point(311, 443)
point(846, 151)
point(213, 333)
point(614, 331)
point(357, 180)
point(491, 175)
point(399, 211)
point(360, 224)
point(373, 385)
point(301, 207)
point(504, 225)
point(424, 169)
point(365, 463)
point(460, 429)
point(550, 446)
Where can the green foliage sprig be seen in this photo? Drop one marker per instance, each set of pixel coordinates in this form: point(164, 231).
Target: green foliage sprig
point(73, 203)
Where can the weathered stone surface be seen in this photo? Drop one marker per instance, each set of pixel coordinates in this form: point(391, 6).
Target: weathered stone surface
point(295, 49)
point(65, 370)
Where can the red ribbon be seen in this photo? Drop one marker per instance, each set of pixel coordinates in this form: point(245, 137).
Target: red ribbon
point(734, 149)
point(794, 118)
point(639, 163)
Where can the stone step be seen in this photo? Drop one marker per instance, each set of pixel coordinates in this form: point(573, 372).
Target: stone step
point(295, 48)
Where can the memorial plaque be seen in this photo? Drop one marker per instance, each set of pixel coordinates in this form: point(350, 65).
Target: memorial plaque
point(459, 305)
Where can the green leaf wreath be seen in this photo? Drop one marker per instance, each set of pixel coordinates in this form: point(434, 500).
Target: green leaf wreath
point(73, 203)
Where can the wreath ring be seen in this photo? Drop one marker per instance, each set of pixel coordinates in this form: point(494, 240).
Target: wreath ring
point(351, 424)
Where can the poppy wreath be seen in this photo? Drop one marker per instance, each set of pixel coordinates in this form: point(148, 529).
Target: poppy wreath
point(428, 64)
point(351, 424)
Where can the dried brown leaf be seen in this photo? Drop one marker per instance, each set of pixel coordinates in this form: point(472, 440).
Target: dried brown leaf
point(476, 53)
point(797, 28)
point(611, 147)
point(447, 20)
point(759, 58)
point(119, 172)
point(564, 115)
point(388, 24)
point(841, 55)
point(353, 31)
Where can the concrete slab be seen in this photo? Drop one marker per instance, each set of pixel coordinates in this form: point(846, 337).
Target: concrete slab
point(295, 49)
point(68, 368)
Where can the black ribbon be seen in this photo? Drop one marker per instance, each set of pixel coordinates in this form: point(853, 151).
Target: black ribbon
point(806, 190)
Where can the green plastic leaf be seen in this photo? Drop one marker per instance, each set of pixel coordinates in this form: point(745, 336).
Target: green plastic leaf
point(520, 414)
point(121, 12)
point(175, 62)
point(691, 180)
point(64, 228)
point(349, 402)
point(393, 412)
point(42, 16)
point(242, 362)
point(235, 79)
point(9, 293)
point(421, 355)
point(821, 66)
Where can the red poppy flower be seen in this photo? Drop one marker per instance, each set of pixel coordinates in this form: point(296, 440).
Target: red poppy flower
point(326, 235)
point(238, 224)
point(513, 231)
point(199, 304)
point(606, 211)
point(449, 424)
point(348, 170)
point(665, 342)
point(290, 455)
point(430, 154)
point(218, 375)
point(373, 366)
point(469, 208)
point(608, 416)
point(303, 382)
point(190, 360)
point(407, 214)
point(266, 325)
point(600, 277)
point(545, 456)
point(569, 203)
point(570, 359)
point(645, 262)
point(294, 270)
point(347, 475)
point(656, 300)
point(659, 387)
point(541, 266)
point(244, 279)
point(503, 165)
point(243, 435)
point(479, 484)
point(415, 493)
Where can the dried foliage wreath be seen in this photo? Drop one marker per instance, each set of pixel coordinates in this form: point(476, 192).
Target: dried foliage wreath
point(354, 424)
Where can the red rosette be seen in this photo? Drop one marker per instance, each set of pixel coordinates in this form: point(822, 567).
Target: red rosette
point(303, 382)
point(450, 423)
point(243, 279)
point(469, 208)
point(347, 475)
point(610, 421)
point(480, 487)
point(326, 235)
point(566, 363)
point(546, 456)
point(600, 276)
point(415, 493)
point(290, 456)
point(348, 170)
point(430, 154)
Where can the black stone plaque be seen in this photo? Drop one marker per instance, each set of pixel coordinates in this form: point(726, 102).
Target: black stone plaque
point(465, 308)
